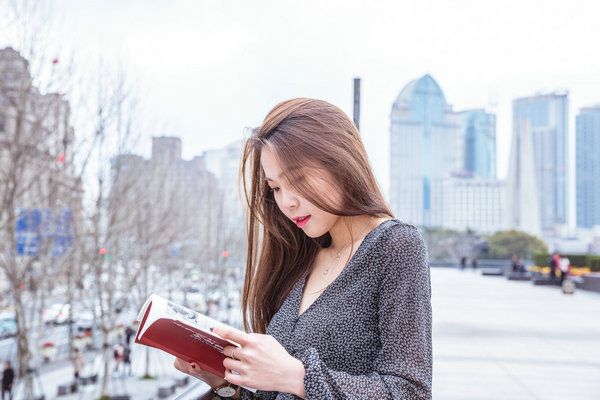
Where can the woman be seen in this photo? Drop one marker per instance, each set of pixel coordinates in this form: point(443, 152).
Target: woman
point(338, 297)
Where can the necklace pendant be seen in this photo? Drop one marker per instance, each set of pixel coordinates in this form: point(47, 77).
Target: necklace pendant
point(337, 258)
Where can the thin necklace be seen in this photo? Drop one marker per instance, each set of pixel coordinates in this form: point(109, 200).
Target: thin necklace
point(339, 254)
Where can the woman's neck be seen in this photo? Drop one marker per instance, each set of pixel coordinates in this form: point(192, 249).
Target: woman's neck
point(349, 230)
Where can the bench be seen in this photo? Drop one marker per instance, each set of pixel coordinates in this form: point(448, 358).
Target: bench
point(88, 379)
point(166, 389)
point(120, 397)
point(181, 381)
point(67, 388)
point(519, 276)
point(492, 271)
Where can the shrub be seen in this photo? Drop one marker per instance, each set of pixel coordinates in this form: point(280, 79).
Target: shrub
point(577, 260)
point(540, 259)
point(593, 263)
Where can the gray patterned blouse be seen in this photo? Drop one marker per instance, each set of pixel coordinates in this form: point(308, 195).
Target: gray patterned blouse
point(368, 335)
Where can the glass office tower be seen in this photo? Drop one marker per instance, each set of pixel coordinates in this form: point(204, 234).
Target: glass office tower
point(537, 177)
point(587, 167)
point(426, 146)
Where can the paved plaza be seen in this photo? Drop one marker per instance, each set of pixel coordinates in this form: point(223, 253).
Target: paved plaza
point(500, 339)
point(492, 338)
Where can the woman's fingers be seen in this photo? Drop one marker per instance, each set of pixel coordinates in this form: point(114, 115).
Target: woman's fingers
point(184, 366)
point(234, 365)
point(231, 334)
point(234, 352)
point(235, 378)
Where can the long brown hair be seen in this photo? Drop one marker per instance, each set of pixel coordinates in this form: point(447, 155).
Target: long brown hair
point(306, 136)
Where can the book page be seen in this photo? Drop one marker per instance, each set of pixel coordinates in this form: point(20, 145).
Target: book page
point(163, 308)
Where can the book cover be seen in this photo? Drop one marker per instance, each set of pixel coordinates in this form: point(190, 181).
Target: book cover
point(182, 332)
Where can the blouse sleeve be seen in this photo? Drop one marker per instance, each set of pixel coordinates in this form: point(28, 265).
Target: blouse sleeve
point(403, 365)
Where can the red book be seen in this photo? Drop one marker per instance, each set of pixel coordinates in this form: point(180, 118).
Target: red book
point(183, 333)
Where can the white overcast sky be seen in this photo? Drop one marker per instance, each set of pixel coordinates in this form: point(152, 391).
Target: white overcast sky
point(210, 68)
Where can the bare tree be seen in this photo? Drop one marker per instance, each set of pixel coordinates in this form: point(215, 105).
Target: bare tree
point(36, 182)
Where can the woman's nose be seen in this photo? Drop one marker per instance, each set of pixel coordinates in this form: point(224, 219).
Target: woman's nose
point(290, 199)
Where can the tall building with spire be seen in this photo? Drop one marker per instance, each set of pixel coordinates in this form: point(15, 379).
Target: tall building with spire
point(443, 163)
point(587, 167)
point(537, 189)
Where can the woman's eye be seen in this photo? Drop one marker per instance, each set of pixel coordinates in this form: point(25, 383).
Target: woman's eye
point(274, 189)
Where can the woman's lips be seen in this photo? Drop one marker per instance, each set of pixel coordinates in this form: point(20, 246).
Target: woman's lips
point(300, 222)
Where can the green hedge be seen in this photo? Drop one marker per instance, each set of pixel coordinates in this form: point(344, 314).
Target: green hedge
point(540, 259)
point(576, 260)
point(594, 263)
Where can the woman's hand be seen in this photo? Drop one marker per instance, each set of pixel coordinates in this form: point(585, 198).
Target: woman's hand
point(194, 370)
point(261, 363)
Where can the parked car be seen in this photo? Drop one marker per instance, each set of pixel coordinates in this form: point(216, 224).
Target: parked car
point(8, 324)
point(57, 314)
point(84, 321)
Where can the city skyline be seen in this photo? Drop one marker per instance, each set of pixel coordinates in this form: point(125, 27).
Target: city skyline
point(207, 70)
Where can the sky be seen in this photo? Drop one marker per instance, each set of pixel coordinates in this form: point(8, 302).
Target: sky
point(209, 69)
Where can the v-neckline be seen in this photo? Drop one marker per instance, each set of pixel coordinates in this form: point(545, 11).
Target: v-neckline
point(337, 278)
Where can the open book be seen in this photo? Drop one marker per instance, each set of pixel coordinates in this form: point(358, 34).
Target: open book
point(183, 333)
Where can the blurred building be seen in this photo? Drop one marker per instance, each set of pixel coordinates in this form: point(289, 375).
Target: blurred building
point(224, 163)
point(164, 199)
point(431, 147)
point(472, 203)
point(587, 167)
point(537, 189)
point(37, 176)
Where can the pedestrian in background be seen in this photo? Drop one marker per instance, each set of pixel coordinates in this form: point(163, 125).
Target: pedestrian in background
point(8, 377)
point(474, 263)
point(78, 362)
point(127, 360)
point(128, 334)
point(320, 235)
point(463, 263)
point(117, 355)
point(565, 267)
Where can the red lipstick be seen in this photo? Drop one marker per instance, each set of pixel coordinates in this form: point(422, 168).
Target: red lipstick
point(301, 221)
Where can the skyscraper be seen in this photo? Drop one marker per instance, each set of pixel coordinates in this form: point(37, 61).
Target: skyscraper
point(537, 175)
point(425, 148)
point(479, 133)
point(587, 166)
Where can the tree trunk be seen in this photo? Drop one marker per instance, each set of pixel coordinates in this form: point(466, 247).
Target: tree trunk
point(23, 350)
point(106, 354)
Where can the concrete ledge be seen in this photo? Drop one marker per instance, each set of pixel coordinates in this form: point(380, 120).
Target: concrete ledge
point(590, 282)
point(544, 281)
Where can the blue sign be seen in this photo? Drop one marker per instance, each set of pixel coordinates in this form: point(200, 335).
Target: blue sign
point(40, 231)
point(28, 233)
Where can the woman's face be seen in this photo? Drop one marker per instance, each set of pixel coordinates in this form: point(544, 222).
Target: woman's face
point(308, 217)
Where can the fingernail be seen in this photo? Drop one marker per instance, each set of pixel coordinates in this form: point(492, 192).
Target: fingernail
point(211, 329)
